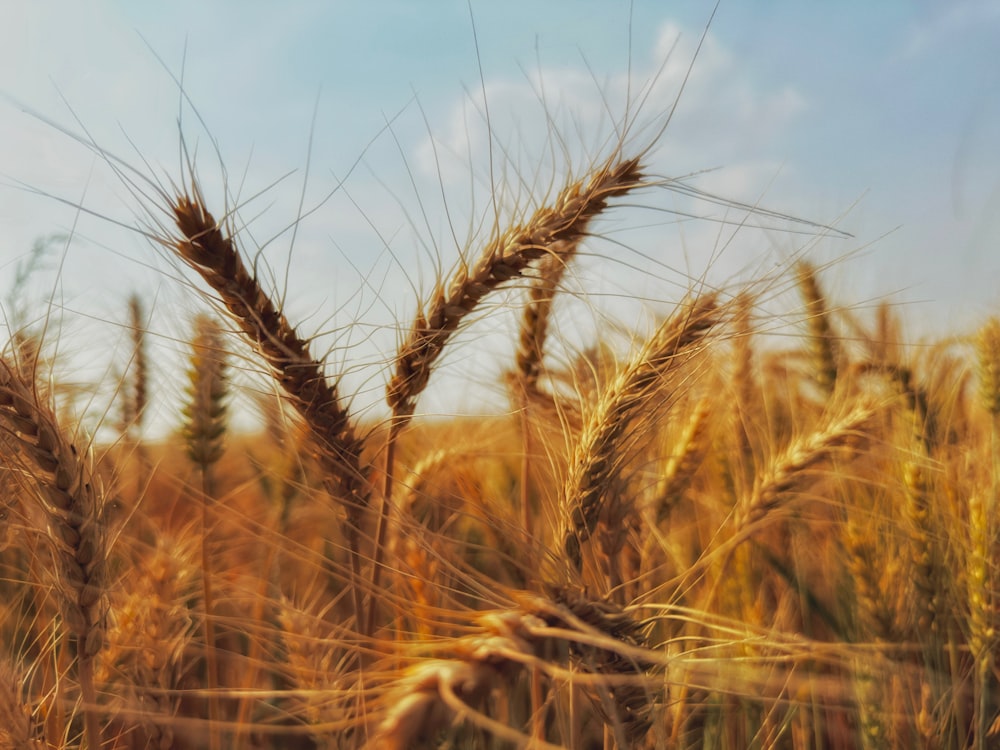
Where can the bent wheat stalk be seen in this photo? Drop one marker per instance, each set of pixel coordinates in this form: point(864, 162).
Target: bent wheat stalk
point(553, 230)
point(204, 247)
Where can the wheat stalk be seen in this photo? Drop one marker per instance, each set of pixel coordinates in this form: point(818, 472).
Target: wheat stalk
point(552, 230)
point(595, 459)
point(216, 258)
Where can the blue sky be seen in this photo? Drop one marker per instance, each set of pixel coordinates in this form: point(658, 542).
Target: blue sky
point(879, 117)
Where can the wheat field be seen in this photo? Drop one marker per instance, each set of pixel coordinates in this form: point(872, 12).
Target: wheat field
point(683, 537)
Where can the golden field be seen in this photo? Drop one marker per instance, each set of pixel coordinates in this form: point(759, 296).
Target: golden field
point(688, 537)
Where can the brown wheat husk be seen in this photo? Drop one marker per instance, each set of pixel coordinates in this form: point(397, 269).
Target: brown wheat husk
point(216, 258)
point(213, 255)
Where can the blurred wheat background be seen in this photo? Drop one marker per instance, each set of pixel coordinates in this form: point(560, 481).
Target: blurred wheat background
point(558, 459)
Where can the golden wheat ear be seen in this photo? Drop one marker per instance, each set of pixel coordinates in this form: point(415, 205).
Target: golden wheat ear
point(534, 326)
point(70, 502)
point(136, 393)
point(553, 230)
point(791, 467)
point(595, 638)
point(595, 460)
point(981, 570)
point(822, 339)
point(206, 412)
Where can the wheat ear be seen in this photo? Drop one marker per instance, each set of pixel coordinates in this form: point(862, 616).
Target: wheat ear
point(204, 430)
point(532, 333)
point(600, 639)
point(138, 395)
point(216, 258)
point(552, 230)
point(136, 390)
point(72, 505)
point(595, 460)
point(790, 467)
point(988, 367)
point(686, 456)
point(534, 326)
point(152, 632)
point(745, 406)
point(822, 340)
